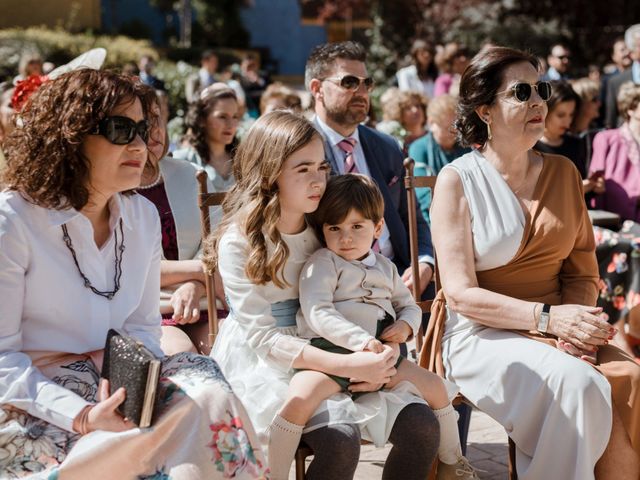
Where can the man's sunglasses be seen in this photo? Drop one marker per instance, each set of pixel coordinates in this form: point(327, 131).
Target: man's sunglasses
point(352, 83)
point(122, 130)
point(522, 91)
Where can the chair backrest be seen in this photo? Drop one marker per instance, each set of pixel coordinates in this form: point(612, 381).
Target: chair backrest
point(206, 200)
point(411, 183)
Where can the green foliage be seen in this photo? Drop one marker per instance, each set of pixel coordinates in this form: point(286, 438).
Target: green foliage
point(217, 23)
point(59, 46)
point(174, 76)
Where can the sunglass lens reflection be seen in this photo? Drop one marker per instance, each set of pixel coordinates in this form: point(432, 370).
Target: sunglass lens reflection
point(351, 82)
point(544, 90)
point(522, 92)
point(122, 131)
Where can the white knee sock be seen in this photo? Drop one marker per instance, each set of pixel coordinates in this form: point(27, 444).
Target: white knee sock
point(449, 451)
point(284, 438)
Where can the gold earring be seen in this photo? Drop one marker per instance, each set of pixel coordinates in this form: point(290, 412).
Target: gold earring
point(489, 136)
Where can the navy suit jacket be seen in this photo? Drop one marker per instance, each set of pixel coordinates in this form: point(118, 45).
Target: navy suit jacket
point(385, 162)
point(612, 118)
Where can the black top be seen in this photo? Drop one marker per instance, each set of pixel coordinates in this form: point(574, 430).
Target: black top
point(572, 148)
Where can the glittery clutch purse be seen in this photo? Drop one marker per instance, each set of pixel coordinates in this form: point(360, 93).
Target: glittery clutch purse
point(129, 364)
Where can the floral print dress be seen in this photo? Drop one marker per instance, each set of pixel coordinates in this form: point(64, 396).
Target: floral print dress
point(619, 264)
point(201, 430)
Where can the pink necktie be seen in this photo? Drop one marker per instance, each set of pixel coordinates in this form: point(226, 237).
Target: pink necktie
point(347, 146)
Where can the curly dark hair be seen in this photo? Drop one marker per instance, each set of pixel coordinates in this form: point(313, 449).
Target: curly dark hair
point(44, 153)
point(479, 85)
point(196, 120)
point(322, 57)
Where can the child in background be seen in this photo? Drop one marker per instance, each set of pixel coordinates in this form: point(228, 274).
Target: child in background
point(353, 299)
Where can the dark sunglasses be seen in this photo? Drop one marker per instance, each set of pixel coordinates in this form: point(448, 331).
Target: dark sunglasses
point(352, 83)
point(122, 130)
point(522, 91)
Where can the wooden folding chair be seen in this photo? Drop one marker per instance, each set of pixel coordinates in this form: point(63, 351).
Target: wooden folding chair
point(206, 200)
point(411, 183)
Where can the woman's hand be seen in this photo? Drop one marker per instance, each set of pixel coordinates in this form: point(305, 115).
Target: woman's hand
point(104, 414)
point(397, 332)
point(186, 302)
point(590, 357)
point(359, 386)
point(594, 184)
point(580, 326)
point(374, 346)
point(374, 368)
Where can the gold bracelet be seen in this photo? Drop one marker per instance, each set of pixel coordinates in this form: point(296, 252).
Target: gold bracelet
point(82, 420)
point(535, 317)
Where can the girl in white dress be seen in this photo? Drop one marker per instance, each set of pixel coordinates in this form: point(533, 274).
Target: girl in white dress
point(259, 249)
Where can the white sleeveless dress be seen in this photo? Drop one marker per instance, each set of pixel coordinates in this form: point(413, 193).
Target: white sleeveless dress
point(556, 408)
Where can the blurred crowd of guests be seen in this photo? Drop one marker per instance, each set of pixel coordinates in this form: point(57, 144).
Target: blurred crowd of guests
point(418, 109)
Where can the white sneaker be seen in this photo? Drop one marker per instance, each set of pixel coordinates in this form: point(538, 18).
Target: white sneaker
point(462, 470)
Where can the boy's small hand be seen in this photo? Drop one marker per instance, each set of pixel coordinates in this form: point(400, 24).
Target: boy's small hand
point(374, 346)
point(398, 332)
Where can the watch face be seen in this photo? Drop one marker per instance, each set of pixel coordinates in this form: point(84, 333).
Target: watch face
point(544, 322)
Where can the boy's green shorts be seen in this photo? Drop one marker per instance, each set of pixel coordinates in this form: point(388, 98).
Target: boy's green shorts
point(328, 346)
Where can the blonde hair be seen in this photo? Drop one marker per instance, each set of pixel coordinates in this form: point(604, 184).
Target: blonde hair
point(253, 203)
point(394, 102)
point(441, 106)
point(279, 91)
point(586, 88)
point(628, 99)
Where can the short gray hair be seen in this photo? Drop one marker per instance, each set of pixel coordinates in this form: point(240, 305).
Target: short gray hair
point(629, 34)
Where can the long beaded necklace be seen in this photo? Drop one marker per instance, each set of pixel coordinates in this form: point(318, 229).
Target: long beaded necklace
point(119, 249)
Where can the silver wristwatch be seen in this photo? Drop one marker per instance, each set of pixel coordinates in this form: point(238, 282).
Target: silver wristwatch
point(543, 320)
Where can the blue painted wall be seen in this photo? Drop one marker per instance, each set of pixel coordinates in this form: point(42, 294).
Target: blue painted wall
point(116, 13)
point(276, 25)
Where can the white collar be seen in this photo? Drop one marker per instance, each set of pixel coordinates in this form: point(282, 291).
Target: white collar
point(117, 209)
point(334, 137)
point(369, 260)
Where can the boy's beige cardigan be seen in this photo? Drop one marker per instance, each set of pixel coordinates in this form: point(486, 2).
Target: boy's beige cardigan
point(343, 300)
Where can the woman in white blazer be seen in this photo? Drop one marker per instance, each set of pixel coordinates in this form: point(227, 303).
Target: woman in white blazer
point(421, 75)
point(174, 190)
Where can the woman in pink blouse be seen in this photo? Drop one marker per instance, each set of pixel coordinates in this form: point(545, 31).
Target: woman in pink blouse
point(616, 156)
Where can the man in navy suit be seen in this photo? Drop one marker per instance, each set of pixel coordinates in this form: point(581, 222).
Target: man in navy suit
point(337, 77)
point(632, 38)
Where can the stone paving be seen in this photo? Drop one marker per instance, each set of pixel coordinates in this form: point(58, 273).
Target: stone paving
point(486, 449)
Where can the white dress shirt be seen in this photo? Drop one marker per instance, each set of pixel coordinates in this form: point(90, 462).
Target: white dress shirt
point(384, 242)
point(45, 306)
